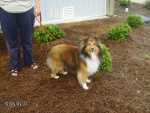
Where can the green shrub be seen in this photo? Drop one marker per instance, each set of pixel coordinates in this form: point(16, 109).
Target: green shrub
point(119, 32)
point(106, 60)
point(125, 2)
point(134, 20)
point(41, 34)
point(147, 4)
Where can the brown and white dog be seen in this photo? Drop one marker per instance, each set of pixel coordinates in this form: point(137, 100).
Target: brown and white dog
point(84, 61)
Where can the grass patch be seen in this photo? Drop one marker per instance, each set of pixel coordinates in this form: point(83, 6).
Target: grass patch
point(146, 56)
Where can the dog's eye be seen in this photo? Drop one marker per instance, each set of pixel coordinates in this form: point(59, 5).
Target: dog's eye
point(89, 44)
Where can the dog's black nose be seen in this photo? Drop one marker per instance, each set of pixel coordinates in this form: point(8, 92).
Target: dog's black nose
point(92, 49)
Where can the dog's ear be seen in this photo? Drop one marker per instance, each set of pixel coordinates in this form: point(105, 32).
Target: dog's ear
point(97, 39)
point(99, 45)
point(83, 41)
point(82, 45)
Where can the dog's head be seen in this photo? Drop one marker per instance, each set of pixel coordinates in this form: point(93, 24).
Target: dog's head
point(90, 45)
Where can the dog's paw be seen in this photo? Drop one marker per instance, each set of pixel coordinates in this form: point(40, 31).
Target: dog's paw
point(56, 77)
point(85, 86)
point(65, 73)
point(88, 81)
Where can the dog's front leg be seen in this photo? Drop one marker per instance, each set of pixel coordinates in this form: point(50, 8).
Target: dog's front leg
point(85, 86)
point(82, 78)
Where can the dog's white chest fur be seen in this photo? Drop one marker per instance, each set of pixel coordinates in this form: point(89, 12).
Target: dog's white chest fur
point(92, 63)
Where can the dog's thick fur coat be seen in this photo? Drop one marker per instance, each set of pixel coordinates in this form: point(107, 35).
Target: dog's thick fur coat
point(84, 61)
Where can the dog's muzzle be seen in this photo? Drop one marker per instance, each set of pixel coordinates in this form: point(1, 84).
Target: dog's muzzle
point(92, 49)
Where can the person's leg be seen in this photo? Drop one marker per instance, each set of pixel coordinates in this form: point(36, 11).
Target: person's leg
point(26, 24)
point(9, 24)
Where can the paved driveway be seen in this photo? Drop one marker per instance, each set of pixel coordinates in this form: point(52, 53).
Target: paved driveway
point(138, 1)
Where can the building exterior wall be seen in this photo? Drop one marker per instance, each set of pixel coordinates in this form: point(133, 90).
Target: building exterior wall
point(64, 11)
point(57, 11)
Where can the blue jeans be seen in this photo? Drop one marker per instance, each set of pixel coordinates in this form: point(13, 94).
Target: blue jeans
point(17, 28)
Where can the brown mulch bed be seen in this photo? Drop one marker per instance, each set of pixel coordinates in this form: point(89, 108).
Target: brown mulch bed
point(124, 89)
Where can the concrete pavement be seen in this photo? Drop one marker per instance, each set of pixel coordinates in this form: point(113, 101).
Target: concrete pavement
point(138, 1)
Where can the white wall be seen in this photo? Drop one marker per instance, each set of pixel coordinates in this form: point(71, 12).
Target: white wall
point(53, 10)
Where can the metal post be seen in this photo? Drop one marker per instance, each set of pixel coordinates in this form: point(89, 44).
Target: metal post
point(110, 4)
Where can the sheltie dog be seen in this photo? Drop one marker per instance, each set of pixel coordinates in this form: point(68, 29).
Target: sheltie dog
point(84, 61)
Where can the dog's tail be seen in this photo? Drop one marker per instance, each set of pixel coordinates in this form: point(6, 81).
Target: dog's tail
point(49, 62)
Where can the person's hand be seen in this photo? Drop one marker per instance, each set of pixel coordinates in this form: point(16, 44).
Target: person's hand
point(37, 11)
